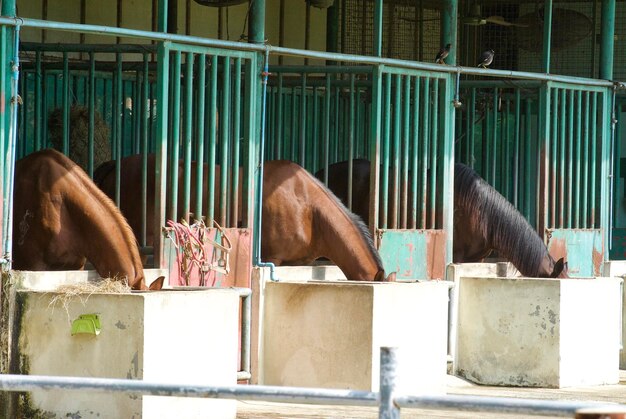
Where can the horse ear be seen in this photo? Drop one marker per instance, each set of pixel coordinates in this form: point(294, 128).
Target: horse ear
point(559, 266)
point(391, 277)
point(157, 284)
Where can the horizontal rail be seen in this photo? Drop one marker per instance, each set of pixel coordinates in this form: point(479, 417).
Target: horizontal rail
point(347, 58)
point(498, 404)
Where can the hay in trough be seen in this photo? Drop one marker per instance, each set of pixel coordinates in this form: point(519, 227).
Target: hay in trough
point(65, 294)
point(79, 135)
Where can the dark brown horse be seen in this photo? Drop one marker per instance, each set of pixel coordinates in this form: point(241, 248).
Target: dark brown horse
point(484, 220)
point(61, 219)
point(302, 220)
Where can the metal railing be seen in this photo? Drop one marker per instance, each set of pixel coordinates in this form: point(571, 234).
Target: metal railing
point(388, 399)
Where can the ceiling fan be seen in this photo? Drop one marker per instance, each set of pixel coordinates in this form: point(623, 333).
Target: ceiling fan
point(476, 19)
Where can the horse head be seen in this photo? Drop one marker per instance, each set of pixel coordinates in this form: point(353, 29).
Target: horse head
point(551, 269)
point(380, 276)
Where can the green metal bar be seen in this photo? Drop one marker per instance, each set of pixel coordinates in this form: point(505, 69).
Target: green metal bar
point(279, 118)
point(406, 132)
point(375, 146)
point(378, 28)
point(527, 161)
point(351, 129)
point(290, 146)
point(506, 155)
point(607, 40)
point(117, 107)
point(585, 158)
point(449, 12)
point(425, 147)
point(39, 142)
point(327, 103)
point(315, 135)
point(562, 161)
point(6, 162)
point(212, 117)
point(543, 159)
point(570, 158)
point(516, 136)
point(384, 177)
point(547, 34)
point(92, 109)
point(395, 173)
point(225, 135)
point(605, 170)
point(493, 158)
point(200, 131)
point(447, 187)
point(434, 174)
point(145, 117)
point(162, 86)
point(187, 138)
point(256, 29)
point(65, 104)
point(577, 171)
point(472, 128)
point(553, 118)
point(237, 116)
point(415, 154)
point(303, 119)
point(174, 152)
point(594, 140)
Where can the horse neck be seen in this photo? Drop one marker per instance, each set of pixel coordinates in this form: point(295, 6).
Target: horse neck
point(345, 243)
point(111, 246)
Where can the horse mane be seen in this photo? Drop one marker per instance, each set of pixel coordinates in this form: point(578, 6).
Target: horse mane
point(354, 219)
point(107, 203)
point(498, 221)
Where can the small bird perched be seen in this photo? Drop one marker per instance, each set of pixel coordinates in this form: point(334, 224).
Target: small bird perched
point(443, 53)
point(486, 58)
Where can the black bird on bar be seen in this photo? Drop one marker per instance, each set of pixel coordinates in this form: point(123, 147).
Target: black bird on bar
point(486, 58)
point(442, 54)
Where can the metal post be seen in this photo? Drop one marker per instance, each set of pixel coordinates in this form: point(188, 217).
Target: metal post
point(388, 381)
point(332, 27)
point(547, 35)
point(256, 31)
point(449, 12)
point(378, 28)
point(607, 40)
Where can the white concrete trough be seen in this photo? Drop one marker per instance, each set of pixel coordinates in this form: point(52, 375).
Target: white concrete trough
point(538, 332)
point(186, 337)
point(329, 334)
point(617, 269)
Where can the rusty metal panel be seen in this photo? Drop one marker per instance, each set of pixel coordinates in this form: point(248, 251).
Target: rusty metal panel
point(583, 250)
point(240, 261)
point(413, 254)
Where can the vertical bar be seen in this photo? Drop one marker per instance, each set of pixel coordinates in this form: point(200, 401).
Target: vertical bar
point(234, 217)
point(378, 28)
point(118, 124)
point(570, 158)
point(585, 159)
point(279, 117)
point(224, 137)
point(447, 189)
point(384, 178)
point(605, 168)
point(212, 117)
point(188, 134)
point(527, 160)
point(303, 119)
point(66, 105)
point(506, 151)
point(472, 125)
point(316, 126)
point(175, 140)
point(39, 120)
point(607, 39)
point(425, 148)
point(547, 34)
point(562, 140)
point(388, 382)
point(92, 110)
point(449, 12)
point(577, 174)
point(200, 123)
point(397, 115)
point(516, 165)
point(256, 31)
point(493, 159)
point(145, 117)
point(415, 152)
point(553, 118)
point(434, 173)
point(406, 120)
point(351, 139)
point(543, 155)
point(327, 128)
point(374, 152)
point(594, 147)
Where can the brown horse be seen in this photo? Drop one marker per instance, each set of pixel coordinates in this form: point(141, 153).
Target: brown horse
point(302, 220)
point(484, 220)
point(61, 219)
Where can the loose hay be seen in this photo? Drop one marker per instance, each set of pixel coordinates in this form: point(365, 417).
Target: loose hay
point(65, 294)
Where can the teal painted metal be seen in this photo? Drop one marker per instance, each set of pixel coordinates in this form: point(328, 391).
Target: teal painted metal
point(200, 132)
point(412, 254)
point(174, 137)
point(256, 29)
point(235, 161)
point(225, 136)
point(584, 250)
point(547, 35)
point(187, 136)
point(449, 13)
point(607, 40)
point(378, 28)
